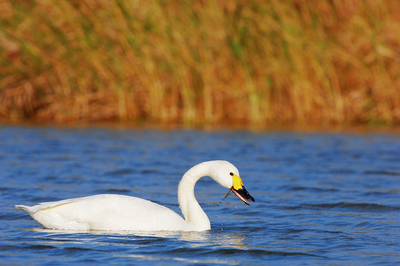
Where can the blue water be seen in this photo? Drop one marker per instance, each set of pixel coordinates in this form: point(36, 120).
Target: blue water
point(321, 198)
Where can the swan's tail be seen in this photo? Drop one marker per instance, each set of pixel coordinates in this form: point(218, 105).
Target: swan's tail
point(23, 207)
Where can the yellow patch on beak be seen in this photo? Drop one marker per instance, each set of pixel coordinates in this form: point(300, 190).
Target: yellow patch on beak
point(237, 182)
point(239, 190)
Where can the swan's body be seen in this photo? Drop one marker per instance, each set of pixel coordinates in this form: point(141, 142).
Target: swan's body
point(119, 212)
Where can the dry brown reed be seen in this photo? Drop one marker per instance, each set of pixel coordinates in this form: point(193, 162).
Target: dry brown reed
point(243, 62)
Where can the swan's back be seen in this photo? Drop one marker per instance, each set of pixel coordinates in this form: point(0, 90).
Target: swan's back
point(106, 212)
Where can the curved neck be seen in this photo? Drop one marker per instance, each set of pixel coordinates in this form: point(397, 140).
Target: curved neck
point(191, 210)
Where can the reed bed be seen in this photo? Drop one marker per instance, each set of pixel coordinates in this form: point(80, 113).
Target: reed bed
point(200, 62)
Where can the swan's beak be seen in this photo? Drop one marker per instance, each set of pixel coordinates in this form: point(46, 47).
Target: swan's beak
point(240, 191)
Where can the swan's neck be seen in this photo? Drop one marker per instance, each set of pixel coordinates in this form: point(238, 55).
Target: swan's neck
point(191, 210)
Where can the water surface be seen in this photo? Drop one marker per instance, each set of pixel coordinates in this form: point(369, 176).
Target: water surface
point(321, 198)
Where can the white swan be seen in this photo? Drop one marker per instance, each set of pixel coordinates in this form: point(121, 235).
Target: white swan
point(119, 212)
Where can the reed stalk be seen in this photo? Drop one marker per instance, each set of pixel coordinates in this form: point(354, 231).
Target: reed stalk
point(200, 62)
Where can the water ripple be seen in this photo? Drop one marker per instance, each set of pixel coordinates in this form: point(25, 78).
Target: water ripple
point(351, 206)
point(321, 198)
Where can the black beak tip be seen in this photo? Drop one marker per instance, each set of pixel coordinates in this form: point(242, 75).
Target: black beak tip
point(243, 194)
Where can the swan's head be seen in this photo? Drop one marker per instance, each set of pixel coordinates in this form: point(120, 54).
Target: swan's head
point(227, 175)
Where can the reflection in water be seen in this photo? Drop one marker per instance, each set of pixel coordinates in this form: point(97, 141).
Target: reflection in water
point(190, 243)
point(197, 239)
point(187, 260)
point(200, 239)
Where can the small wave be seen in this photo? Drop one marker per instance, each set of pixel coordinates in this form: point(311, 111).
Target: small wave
point(314, 189)
point(117, 190)
point(236, 251)
point(38, 247)
point(256, 252)
point(149, 171)
point(230, 251)
point(76, 249)
point(382, 172)
point(185, 251)
point(13, 216)
point(126, 171)
point(348, 206)
point(386, 192)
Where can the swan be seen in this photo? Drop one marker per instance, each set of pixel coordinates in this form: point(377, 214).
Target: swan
point(126, 213)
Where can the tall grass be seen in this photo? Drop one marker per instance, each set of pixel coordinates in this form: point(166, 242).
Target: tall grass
point(247, 62)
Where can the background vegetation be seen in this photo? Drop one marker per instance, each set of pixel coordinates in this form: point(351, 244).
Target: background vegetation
point(242, 62)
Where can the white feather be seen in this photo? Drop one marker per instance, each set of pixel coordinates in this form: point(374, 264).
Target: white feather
point(119, 212)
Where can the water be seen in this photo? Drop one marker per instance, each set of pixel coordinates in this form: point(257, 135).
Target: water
point(321, 198)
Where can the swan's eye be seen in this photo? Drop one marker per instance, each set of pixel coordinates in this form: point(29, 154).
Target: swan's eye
point(231, 173)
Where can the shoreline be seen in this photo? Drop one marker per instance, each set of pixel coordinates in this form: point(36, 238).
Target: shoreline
point(297, 128)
